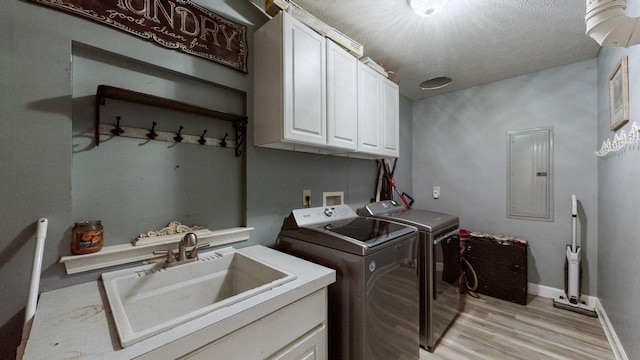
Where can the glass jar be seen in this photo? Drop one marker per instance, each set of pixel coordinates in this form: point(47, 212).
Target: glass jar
point(86, 237)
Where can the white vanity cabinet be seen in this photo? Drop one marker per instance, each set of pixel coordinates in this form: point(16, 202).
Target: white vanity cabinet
point(378, 114)
point(297, 331)
point(288, 321)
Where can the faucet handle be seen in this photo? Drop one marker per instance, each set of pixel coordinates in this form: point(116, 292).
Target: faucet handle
point(171, 257)
point(194, 252)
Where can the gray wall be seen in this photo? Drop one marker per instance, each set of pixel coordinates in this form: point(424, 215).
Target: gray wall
point(459, 143)
point(276, 178)
point(50, 168)
point(619, 204)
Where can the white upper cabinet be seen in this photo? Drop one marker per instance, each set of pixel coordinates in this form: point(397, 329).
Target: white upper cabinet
point(305, 74)
point(289, 84)
point(342, 98)
point(378, 114)
point(369, 126)
point(312, 95)
point(390, 102)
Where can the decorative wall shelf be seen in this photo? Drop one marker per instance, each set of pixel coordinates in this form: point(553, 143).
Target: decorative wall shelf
point(620, 140)
point(109, 92)
point(128, 253)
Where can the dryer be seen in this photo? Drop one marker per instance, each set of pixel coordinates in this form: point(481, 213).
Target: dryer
point(438, 262)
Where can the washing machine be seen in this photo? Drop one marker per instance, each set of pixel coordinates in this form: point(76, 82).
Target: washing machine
point(373, 305)
point(438, 262)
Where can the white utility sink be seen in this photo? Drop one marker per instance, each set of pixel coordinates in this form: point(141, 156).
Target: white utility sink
point(148, 300)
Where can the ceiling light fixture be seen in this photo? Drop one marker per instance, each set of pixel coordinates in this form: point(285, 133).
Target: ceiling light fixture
point(427, 7)
point(435, 83)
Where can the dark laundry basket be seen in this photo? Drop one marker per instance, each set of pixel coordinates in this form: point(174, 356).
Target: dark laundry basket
point(501, 267)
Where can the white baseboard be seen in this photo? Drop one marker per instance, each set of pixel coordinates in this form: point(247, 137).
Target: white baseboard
point(590, 301)
point(554, 293)
point(614, 341)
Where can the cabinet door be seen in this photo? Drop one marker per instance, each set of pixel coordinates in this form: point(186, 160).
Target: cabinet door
point(342, 96)
point(390, 118)
point(304, 83)
point(296, 331)
point(369, 137)
point(312, 346)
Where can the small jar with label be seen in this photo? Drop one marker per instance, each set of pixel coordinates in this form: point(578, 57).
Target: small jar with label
point(86, 237)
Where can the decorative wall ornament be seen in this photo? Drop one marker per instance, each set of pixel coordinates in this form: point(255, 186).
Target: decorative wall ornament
point(174, 227)
point(171, 232)
point(620, 140)
point(176, 24)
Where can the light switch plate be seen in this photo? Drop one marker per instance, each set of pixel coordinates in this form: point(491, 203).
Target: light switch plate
point(436, 192)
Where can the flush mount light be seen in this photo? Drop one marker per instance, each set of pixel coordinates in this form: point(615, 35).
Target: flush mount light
point(435, 83)
point(427, 7)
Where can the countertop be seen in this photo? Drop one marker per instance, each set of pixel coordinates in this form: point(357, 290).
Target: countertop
point(76, 323)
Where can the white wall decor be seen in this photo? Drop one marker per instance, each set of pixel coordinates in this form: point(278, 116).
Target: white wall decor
point(620, 140)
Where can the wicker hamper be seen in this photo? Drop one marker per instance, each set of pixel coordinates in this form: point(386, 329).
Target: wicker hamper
point(501, 267)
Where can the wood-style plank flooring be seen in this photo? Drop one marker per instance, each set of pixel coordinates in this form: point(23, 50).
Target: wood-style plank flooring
point(490, 328)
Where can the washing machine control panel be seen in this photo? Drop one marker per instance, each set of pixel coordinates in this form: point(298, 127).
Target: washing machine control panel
point(317, 215)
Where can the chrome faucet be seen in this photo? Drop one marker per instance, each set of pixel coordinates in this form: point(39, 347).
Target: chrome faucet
point(190, 239)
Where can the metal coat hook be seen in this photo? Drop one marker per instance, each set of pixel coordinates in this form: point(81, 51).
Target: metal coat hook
point(117, 130)
point(223, 142)
point(202, 140)
point(152, 134)
point(178, 137)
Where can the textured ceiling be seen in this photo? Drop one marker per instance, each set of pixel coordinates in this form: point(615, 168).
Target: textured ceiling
point(472, 41)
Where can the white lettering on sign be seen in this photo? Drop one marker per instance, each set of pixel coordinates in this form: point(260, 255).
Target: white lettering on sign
point(177, 24)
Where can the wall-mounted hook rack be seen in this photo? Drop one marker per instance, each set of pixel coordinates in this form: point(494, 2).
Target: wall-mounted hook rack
point(109, 92)
point(132, 132)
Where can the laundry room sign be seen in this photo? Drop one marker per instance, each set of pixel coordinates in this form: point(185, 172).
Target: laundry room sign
point(178, 24)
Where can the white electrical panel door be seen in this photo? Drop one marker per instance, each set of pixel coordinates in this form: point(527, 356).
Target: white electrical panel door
point(530, 174)
point(342, 98)
point(369, 114)
point(390, 118)
point(305, 71)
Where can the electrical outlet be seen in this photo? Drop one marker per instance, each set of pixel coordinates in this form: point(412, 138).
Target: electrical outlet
point(306, 198)
point(436, 192)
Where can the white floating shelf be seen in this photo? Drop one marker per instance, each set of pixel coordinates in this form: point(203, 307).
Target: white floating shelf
point(127, 253)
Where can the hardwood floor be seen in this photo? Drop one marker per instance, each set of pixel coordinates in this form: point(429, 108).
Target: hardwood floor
point(490, 328)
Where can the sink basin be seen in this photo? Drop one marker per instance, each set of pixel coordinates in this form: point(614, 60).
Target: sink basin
point(148, 300)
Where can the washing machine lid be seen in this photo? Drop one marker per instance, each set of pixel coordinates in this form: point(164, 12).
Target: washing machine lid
point(342, 229)
point(425, 220)
point(369, 231)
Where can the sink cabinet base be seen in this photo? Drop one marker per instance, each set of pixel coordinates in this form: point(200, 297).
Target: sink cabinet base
point(293, 332)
